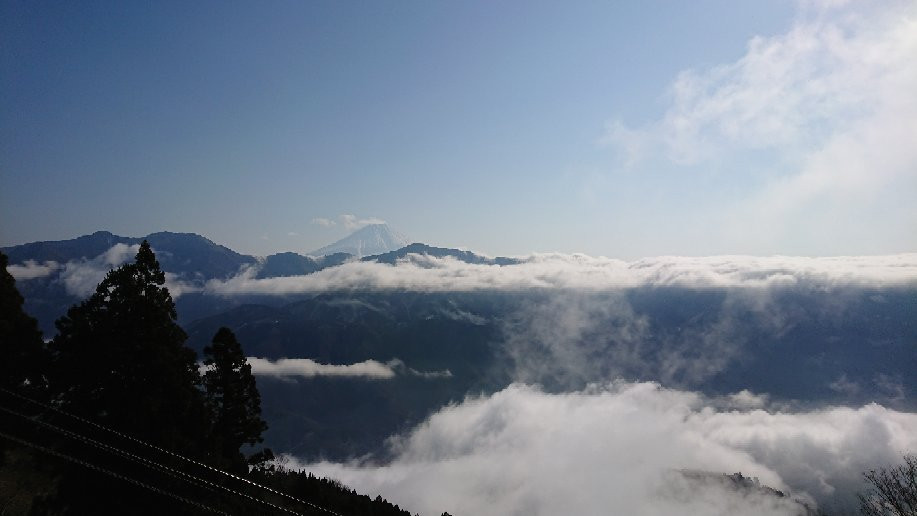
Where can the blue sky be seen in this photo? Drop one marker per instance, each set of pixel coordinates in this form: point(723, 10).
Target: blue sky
point(610, 128)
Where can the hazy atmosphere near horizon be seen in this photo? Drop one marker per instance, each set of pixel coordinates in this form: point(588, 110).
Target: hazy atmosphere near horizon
point(623, 129)
point(461, 257)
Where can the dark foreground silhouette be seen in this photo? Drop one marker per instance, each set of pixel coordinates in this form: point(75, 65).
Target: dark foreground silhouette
point(115, 415)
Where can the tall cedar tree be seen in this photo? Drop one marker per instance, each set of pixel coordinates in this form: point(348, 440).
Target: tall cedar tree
point(120, 359)
point(234, 401)
point(23, 357)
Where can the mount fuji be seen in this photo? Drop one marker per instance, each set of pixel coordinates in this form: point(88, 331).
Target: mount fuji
point(366, 241)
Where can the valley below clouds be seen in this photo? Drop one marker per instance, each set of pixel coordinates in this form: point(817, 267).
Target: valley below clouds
point(565, 383)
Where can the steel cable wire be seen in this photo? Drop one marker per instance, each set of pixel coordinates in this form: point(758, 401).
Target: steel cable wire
point(168, 452)
point(172, 472)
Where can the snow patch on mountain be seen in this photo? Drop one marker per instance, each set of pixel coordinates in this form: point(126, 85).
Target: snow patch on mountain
point(366, 241)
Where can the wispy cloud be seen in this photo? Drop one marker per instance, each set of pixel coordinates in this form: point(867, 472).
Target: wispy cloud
point(80, 277)
point(830, 101)
point(353, 222)
point(401, 368)
point(836, 68)
point(613, 449)
point(322, 221)
point(30, 269)
point(571, 338)
point(348, 220)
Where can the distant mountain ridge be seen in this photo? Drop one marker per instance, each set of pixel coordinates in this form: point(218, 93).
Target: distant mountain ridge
point(439, 252)
point(194, 260)
point(368, 240)
point(178, 253)
point(292, 264)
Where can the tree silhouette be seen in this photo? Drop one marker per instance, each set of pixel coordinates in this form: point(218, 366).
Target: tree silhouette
point(233, 399)
point(23, 359)
point(22, 354)
point(893, 491)
point(119, 358)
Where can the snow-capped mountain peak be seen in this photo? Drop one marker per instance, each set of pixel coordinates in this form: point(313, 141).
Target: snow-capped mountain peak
point(368, 240)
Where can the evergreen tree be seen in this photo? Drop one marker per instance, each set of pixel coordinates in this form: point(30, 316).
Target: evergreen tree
point(23, 357)
point(120, 359)
point(234, 401)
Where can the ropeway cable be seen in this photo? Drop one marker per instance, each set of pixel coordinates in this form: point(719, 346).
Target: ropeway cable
point(110, 473)
point(181, 475)
point(168, 452)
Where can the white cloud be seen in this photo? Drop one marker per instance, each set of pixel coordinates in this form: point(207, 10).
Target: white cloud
point(830, 102)
point(288, 368)
point(30, 269)
point(559, 271)
point(632, 143)
point(178, 287)
point(457, 314)
point(891, 386)
point(835, 68)
point(618, 450)
point(322, 221)
point(845, 386)
point(306, 368)
point(579, 324)
point(80, 277)
point(586, 330)
point(348, 220)
point(401, 368)
point(747, 400)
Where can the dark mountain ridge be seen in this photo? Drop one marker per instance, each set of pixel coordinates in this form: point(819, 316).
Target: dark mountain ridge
point(293, 264)
point(439, 252)
point(192, 259)
point(179, 253)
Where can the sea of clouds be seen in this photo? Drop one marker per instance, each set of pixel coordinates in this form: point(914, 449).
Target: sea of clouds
point(613, 446)
point(555, 338)
point(622, 448)
point(581, 272)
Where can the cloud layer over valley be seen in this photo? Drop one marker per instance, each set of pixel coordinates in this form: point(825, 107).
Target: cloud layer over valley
point(621, 449)
point(564, 321)
point(424, 273)
point(577, 271)
point(80, 277)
